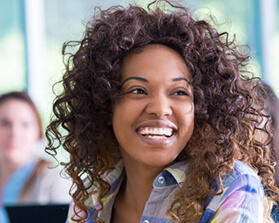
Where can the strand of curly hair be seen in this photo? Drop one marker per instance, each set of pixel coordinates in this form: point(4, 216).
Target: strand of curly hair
point(230, 121)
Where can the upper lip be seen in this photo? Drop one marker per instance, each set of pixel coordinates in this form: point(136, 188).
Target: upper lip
point(158, 124)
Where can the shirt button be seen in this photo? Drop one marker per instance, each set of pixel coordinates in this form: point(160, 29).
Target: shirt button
point(161, 180)
point(145, 221)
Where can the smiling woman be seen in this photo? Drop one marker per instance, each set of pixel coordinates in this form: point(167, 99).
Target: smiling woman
point(154, 119)
point(163, 121)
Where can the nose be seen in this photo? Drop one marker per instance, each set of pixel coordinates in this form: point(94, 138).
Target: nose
point(14, 131)
point(159, 106)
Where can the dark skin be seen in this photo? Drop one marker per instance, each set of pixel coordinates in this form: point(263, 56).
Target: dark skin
point(158, 101)
point(131, 199)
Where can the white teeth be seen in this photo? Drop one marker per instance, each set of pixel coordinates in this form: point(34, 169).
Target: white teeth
point(156, 137)
point(156, 132)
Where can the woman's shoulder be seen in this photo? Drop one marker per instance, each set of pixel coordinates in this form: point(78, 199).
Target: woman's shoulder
point(46, 185)
point(241, 194)
point(242, 174)
point(241, 168)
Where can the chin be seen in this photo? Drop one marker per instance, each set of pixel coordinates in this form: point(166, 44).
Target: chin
point(159, 161)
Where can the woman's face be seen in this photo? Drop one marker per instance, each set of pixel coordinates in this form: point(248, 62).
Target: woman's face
point(19, 131)
point(155, 118)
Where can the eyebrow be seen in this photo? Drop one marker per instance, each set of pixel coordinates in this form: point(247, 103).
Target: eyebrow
point(134, 78)
point(145, 80)
point(181, 79)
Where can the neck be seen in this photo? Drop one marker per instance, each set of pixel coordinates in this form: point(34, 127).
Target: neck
point(134, 192)
point(138, 185)
point(7, 168)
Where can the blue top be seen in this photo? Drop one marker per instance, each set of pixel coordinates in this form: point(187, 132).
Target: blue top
point(48, 187)
point(12, 189)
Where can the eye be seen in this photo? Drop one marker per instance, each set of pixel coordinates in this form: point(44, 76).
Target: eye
point(181, 93)
point(138, 91)
point(4, 123)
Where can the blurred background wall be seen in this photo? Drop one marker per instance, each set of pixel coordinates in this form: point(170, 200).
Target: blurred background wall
point(32, 33)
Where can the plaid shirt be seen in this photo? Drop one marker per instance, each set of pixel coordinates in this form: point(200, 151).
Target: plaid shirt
point(241, 201)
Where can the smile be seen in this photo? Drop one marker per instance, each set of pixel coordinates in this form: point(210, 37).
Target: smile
point(156, 132)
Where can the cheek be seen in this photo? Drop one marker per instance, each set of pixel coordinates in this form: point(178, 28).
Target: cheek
point(187, 119)
point(126, 111)
point(124, 119)
point(2, 140)
point(5, 136)
point(120, 118)
point(188, 108)
point(32, 134)
point(4, 132)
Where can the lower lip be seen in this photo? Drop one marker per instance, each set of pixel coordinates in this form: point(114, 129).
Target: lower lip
point(157, 141)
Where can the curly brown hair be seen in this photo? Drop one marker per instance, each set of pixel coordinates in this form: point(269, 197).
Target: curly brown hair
point(229, 111)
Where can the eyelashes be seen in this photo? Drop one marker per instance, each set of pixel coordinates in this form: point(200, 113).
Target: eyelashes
point(181, 93)
point(142, 91)
point(138, 91)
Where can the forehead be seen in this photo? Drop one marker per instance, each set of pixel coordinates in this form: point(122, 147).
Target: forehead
point(16, 108)
point(152, 58)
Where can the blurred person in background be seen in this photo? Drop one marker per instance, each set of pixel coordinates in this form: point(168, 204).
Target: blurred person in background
point(24, 177)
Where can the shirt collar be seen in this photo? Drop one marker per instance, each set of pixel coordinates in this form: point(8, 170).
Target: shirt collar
point(174, 174)
point(179, 170)
point(115, 176)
